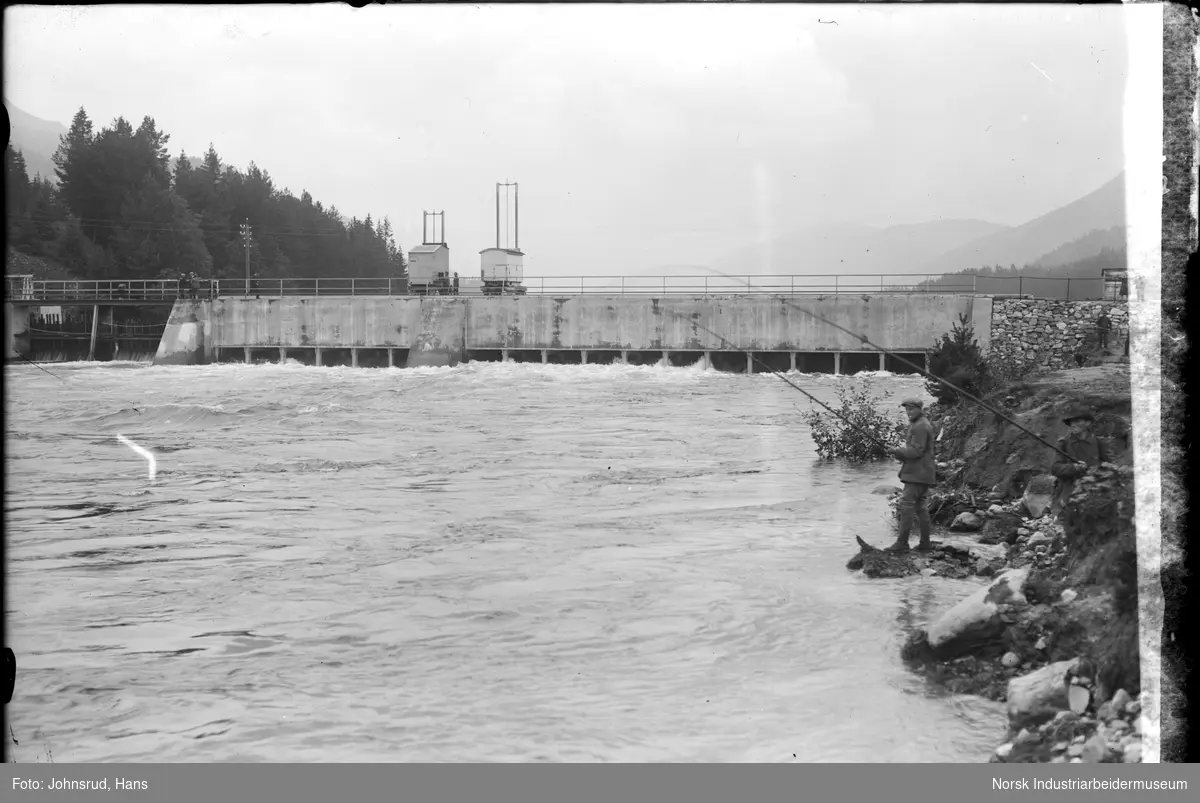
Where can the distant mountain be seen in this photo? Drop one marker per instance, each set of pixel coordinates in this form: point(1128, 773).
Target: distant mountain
point(842, 248)
point(1070, 233)
point(1084, 248)
point(849, 248)
point(35, 138)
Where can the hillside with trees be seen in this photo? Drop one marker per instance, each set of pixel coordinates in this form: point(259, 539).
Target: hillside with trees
point(123, 208)
point(1047, 281)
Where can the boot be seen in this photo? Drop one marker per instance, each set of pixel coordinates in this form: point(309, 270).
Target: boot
point(906, 520)
point(923, 524)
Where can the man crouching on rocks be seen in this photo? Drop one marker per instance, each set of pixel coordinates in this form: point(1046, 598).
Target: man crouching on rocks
point(1081, 444)
point(917, 474)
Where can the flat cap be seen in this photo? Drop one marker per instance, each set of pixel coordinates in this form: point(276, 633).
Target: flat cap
point(1078, 411)
point(913, 401)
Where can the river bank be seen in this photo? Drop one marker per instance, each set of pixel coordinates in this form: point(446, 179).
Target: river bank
point(1053, 632)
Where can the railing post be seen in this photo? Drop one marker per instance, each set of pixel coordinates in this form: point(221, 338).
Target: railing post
point(706, 285)
point(316, 287)
point(352, 285)
point(622, 285)
point(835, 284)
point(1020, 283)
point(793, 296)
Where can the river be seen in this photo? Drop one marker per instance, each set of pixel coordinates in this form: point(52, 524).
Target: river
point(492, 562)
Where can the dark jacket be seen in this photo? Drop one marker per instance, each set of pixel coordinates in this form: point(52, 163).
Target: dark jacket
point(917, 453)
point(1088, 449)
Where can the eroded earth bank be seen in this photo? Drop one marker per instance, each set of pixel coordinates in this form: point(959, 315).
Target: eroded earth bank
point(1053, 628)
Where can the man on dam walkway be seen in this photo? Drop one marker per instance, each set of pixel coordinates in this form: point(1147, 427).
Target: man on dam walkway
point(918, 475)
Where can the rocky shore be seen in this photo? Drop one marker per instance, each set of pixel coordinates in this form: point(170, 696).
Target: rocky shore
point(1052, 629)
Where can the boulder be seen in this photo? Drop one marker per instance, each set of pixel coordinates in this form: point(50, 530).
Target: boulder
point(1039, 493)
point(1095, 750)
point(1078, 698)
point(966, 522)
point(976, 621)
point(1040, 695)
point(1120, 700)
point(998, 530)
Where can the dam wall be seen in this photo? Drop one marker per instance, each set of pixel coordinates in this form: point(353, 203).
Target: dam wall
point(416, 331)
point(750, 323)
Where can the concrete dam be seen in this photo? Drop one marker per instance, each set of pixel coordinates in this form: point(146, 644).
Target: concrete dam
point(365, 331)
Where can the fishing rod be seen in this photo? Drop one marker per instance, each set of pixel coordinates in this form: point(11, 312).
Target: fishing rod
point(38, 365)
point(769, 369)
point(56, 376)
point(919, 369)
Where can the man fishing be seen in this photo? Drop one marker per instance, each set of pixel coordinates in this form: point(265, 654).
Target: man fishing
point(1086, 451)
point(917, 474)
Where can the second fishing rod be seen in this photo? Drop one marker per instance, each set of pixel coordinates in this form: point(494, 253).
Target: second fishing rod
point(919, 369)
point(725, 345)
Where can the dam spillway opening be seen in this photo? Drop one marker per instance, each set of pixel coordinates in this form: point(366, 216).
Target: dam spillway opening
point(893, 364)
point(602, 357)
point(683, 359)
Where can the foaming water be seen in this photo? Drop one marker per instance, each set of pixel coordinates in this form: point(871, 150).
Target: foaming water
point(492, 562)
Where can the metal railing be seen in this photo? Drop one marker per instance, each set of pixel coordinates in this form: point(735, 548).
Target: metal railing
point(699, 285)
point(82, 327)
point(96, 290)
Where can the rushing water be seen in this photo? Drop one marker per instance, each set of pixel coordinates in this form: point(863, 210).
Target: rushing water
point(493, 562)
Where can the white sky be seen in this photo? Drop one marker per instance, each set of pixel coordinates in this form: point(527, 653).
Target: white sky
point(641, 135)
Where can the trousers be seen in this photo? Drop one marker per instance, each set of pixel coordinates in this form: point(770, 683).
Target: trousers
point(913, 506)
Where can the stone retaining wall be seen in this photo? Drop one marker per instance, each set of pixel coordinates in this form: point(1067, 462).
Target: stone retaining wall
point(1051, 332)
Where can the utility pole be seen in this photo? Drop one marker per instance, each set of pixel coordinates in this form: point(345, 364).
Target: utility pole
point(246, 239)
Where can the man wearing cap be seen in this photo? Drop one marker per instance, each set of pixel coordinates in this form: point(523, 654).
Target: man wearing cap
point(917, 474)
point(1086, 450)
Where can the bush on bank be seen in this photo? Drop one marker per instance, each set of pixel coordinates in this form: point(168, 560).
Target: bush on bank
point(869, 434)
point(959, 360)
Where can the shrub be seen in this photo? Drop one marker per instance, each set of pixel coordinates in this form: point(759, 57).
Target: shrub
point(1008, 369)
point(958, 359)
point(835, 438)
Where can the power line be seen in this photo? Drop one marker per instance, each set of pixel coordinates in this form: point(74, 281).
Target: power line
point(159, 226)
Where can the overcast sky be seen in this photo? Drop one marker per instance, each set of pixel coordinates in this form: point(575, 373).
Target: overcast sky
point(641, 135)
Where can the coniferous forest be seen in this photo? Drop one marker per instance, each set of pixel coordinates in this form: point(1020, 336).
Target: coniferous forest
point(123, 208)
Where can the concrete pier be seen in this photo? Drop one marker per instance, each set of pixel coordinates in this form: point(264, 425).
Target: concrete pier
point(183, 341)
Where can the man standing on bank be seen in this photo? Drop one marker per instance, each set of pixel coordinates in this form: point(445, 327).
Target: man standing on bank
point(1086, 450)
point(1103, 328)
point(917, 474)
